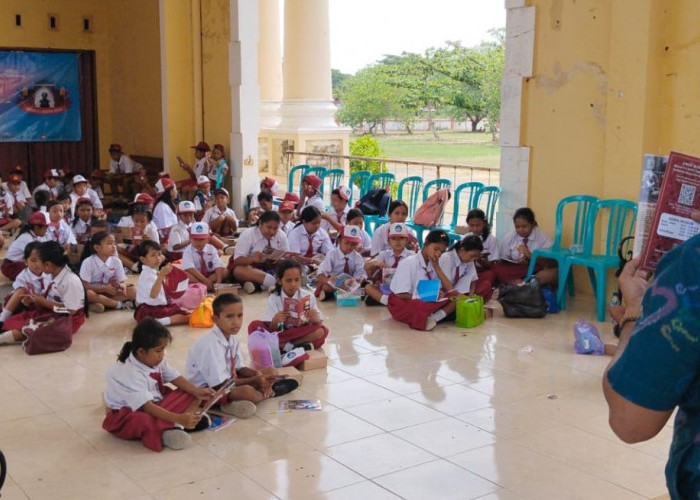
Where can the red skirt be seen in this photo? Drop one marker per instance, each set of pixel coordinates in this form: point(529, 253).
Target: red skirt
point(291, 334)
point(484, 285)
point(509, 272)
point(413, 312)
point(144, 311)
point(17, 321)
point(128, 424)
point(11, 268)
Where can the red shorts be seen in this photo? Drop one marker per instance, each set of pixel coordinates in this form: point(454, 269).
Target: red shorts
point(484, 285)
point(11, 268)
point(144, 311)
point(291, 334)
point(413, 312)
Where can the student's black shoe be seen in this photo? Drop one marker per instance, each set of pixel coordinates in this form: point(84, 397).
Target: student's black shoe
point(284, 386)
point(308, 346)
point(203, 423)
point(369, 301)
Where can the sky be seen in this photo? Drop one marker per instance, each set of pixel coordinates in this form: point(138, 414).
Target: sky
point(363, 31)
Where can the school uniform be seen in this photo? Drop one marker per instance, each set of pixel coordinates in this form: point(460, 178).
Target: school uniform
point(157, 307)
point(124, 165)
point(509, 268)
point(100, 272)
point(214, 213)
point(61, 233)
point(341, 218)
point(460, 273)
point(414, 311)
point(13, 263)
point(132, 384)
point(336, 263)
point(380, 239)
point(53, 191)
point(275, 304)
point(17, 198)
point(213, 359)
point(286, 227)
point(23, 190)
point(487, 278)
point(164, 219)
point(301, 242)
point(315, 201)
point(366, 241)
point(6, 207)
point(490, 246)
point(200, 200)
point(179, 233)
point(81, 231)
point(151, 228)
point(252, 240)
point(31, 282)
point(96, 202)
point(206, 261)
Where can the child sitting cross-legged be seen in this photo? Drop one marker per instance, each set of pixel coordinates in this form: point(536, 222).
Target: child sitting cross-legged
point(140, 405)
point(342, 259)
point(200, 260)
point(215, 357)
point(386, 259)
point(32, 280)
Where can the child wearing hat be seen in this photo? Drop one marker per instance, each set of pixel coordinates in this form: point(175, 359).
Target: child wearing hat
point(8, 220)
point(81, 189)
point(200, 260)
point(221, 219)
point(142, 229)
point(164, 216)
point(265, 203)
point(19, 201)
point(18, 175)
point(311, 193)
point(203, 198)
point(201, 168)
point(34, 230)
point(179, 236)
point(50, 184)
point(286, 211)
point(377, 291)
point(336, 216)
point(343, 258)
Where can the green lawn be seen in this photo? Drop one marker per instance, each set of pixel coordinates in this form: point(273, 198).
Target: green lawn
point(463, 148)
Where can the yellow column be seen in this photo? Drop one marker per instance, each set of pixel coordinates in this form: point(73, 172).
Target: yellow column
point(270, 52)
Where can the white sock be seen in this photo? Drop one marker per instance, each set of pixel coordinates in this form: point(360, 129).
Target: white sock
point(164, 321)
point(6, 313)
point(7, 338)
point(119, 305)
point(384, 299)
point(439, 315)
point(269, 281)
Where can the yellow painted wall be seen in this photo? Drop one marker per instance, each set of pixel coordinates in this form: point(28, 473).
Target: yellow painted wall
point(126, 49)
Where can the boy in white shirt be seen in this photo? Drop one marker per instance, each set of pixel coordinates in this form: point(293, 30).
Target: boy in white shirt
point(200, 260)
point(221, 219)
point(341, 259)
point(179, 236)
point(378, 291)
point(81, 189)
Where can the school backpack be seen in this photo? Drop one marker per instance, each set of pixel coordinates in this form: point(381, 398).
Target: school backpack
point(375, 202)
point(429, 214)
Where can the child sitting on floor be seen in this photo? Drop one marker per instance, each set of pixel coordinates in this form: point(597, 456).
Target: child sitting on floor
point(140, 405)
point(377, 292)
point(59, 230)
point(141, 229)
point(221, 219)
point(308, 238)
point(32, 280)
point(342, 259)
point(458, 264)
point(103, 275)
point(286, 211)
point(336, 217)
point(215, 357)
point(200, 260)
point(83, 220)
point(179, 236)
point(355, 218)
point(203, 198)
point(150, 294)
point(34, 230)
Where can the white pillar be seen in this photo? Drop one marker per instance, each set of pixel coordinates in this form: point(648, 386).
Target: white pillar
point(245, 99)
point(270, 63)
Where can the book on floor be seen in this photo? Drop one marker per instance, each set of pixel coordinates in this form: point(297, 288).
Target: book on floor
point(300, 404)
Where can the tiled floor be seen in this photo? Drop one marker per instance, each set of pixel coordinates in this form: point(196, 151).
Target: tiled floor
point(447, 414)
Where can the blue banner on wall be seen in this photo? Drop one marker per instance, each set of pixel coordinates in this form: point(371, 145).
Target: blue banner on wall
point(39, 97)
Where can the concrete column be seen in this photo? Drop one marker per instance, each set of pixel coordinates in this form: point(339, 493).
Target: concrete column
point(245, 100)
point(270, 63)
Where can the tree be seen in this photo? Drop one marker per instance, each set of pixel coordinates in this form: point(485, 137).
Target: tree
point(337, 80)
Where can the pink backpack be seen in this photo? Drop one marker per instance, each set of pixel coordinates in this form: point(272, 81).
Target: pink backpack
point(429, 214)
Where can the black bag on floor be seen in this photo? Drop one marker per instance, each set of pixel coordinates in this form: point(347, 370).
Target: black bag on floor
point(522, 301)
point(375, 202)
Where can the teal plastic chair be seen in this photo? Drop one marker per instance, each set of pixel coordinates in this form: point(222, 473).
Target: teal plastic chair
point(577, 210)
point(333, 178)
point(486, 199)
point(434, 185)
point(377, 181)
point(409, 191)
point(317, 171)
point(468, 191)
point(301, 170)
point(621, 216)
point(359, 180)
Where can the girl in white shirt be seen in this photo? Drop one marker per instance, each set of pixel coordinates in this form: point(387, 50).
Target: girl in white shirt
point(34, 230)
point(398, 212)
point(103, 275)
point(292, 311)
point(164, 216)
point(249, 263)
point(404, 304)
point(479, 226)
point(32, 280)
point(342, 259)
point(150, 293)
point(139, 405)
point(286, 211)
point(83, 220)
point(516, 251)
point(458, 264)
point(308, 238)
point(59, 230)
point(336, 217)
point(142, 229)
point(383, 267)
point(64, 291)
point(311, 194)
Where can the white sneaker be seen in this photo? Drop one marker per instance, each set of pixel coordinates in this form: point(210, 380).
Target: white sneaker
point(430, 323)
point(321, 296)
point(176, 439)
point(239, 409)
point(249, 287)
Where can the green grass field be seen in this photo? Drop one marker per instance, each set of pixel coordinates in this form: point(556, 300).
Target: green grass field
point(463, 148)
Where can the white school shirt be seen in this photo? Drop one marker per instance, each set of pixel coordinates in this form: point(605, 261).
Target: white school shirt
point(67, 289)
point(212, 359)
point(366, 240)
point(61, 233)
point(125, 165)
point(54, 191)
point(95, 271)
point(198, 200)
point(163, 216)
point(31, 282)
point(7, 204)
point(252, 240)
point(81, 231)
point(380, 239)
point(334, 263)
point(16, 251)
point(151, 229)
point(286, 227)
point(299, 241)
point(214, 212)
point(190, 259)
point(388, 258)
point(96, 202)
point(410, 271)
point(147, 278)
point(315, 201)
point(453, 267)
point(342, 219)
point(179, 233)
point(17, 197)
point(98, 191)
point(490, 246)
point(130, 384)
point(275, 303)
point(201, 167)
point(511, 242)
point(23, 190)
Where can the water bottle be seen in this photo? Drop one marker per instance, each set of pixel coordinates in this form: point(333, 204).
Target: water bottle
point(614, 301)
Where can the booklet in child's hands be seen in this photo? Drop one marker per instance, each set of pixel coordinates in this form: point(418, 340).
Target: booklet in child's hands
point(274, 255)
point(298, 310)
point(428, 290)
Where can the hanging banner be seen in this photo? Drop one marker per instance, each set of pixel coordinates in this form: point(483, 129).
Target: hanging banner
point(39, 97)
